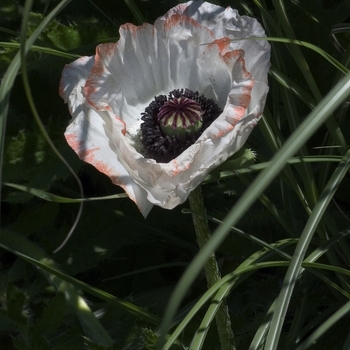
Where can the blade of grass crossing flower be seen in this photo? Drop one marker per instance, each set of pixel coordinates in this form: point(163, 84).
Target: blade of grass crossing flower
point(340, 67)
point(305, 238)
point(267, 19)
point(320, 331)
point(315, 119)
point(41, 126)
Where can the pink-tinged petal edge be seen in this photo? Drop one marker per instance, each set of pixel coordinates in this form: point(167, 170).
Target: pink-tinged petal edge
point(92, 83)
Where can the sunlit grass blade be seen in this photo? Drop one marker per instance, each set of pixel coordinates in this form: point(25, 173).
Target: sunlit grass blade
point(248, 266)
point(199, 338)
point(305, 238)
point(42, 49)
point(59, 199)
point(296, 43)
point(315, 119)
point(226, 174)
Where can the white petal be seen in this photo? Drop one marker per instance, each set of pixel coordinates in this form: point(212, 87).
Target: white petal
point(148, 61)
point(88, 134)
point(226, 22)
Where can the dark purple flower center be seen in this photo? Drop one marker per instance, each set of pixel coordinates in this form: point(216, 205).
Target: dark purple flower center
point(173, 123)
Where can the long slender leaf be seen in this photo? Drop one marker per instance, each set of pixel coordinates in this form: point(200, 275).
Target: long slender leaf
point(319, 115)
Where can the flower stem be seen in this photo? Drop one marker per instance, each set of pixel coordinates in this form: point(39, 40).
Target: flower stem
point(211, 267)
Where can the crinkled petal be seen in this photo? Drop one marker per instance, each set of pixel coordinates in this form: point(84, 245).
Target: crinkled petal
point(147, 61)
point(226, 22)
point(88, 133)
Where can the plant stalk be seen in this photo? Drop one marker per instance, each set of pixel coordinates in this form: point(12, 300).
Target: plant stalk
point(211, 268)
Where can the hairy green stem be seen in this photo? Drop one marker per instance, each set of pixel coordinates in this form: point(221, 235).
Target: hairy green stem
point(211, 267)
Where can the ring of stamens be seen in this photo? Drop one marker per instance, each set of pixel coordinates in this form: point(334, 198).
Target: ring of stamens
point(173, 123)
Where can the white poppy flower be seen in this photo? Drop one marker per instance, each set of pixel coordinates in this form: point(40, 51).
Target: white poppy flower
point(189, 79)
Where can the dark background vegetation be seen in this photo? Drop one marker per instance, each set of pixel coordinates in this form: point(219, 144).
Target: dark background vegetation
point(112, 238)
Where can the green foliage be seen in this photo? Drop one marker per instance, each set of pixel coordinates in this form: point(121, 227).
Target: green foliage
point(280, 222)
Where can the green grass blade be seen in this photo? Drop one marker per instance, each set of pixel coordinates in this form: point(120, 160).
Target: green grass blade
point(46, 50)
point(11, 73)
point(39, 122)
point(225, 284)
point(315, 119)
point(27, 250)
point(289, 84)
point(294, 269)
point(322, 329)
point(23, 248)
point(58, 199)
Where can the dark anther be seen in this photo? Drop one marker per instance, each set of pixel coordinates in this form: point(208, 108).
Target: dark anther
point(163, 147)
